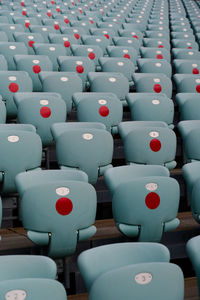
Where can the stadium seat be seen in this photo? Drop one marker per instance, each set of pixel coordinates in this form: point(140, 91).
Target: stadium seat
point(152, 82)
point(193, 247)
point(151, 107)
point(63, 83)
point(159, 43)
point(151, 65)
point(126, 41)
point(186, 66)
point(10, 29)
point(28, 39)
point(9, 49)
point(41, 110)
point(153, 52)
point(187, 83)
point(125, 52)
point(148, 142)
point(188, 105)
point(79, 145)
point(105, 108)
point(188, 44)
point(179, 53)
point(100, 41)
point(43, 30)
point(64, 39)
point(114, 256)
point(3, 63)
point(26, 22)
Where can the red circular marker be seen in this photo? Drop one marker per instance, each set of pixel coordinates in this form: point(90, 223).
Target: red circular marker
point(45, 112)
point(155, 145)
point(73, 3)
point(160, 46)
point(80, 10)
point(30, 43)
point(189, 47)
point(58, 9)
point(79, 69)
point(157, 88)
point(64, 206)
point(127, 56)
point(195, 71)
point(57, 27)
point(22, 3)
point(152, 200)
point(135, 36)
point(77, 36)
point(13, 87)
point(49, 14)
point(91, 55)
point(24, 13)
point(107, 36)
point(52, 2)
point(91, 22)
point(198, 88)
point(27, 24)
point(104, 111)
point(67, 44)
point(159, 56)
point(36, 69)
point(66, 21)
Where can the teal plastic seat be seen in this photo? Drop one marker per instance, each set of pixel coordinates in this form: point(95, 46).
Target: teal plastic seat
point(109, 25)
point(86, 25)
point(148, 142)
point(118, 65)
point(63, 83)
point(92, 51)
point(151, 107)
point(69, 204)
point(79, 145)
point(100, 41)
point(41, 110)
point(33, 65)
point(104, 108)
point(153, 52)
point(43, 30)
point(125, 52)
point(26, 22)
point(34, 288)
point(135, 34)
point(10, 29)
point(108, 82)
point(193, 247)
point(190, 135)
point(56, 24)
point(64, 39)
point(152, 65)
point(107, 32)
point(179, 53)
point(187, 83)
point(188, 105)
point(152, 83)
point(156, 42)
point(153, 203)
point(157, 35)
point(111, 257)
point(126, 41)
point(17, 142)
point(186, 66)
point(182, 35)
point(188, 44)
point(10, 83)
point(118, 175)
point(3, 63)
point(26, 266)
point(167, 282)
point(9, 49)
point(28, 39)
point(76, 31)
point(53, 51)
point(79, 64)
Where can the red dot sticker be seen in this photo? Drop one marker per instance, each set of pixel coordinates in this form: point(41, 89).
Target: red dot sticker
point(159, 56)
point(36, 69)
point(91, 55)
point(49, 14)
point(104, 111)
point(107, 36)
point(157, 88)
point(127, 56)
point(77, 36)
point(67, 44)
point(13, 87)
point(58, 9)
point(198, 88)
point(66, 21)
point(22, 3)
point(195, 71)
point(64, 206)
point(45, 112)
point(27, 24)
point(30, 43)
point(52, 2)
point(24, 13)
point(91, 22)
point(160, 46)
point(57, 27)
point(155, 145)
point(189, 47)
point(152, 200)
point(79, 69)
point(135, 36)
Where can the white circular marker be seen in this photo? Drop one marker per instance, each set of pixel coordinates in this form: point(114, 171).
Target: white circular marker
point(79, 62)
point(194, 65)
point(44, 29)
point(15, 295)
point(190, 53)
point(64, 79)
point(151, 186)
point(156, 102)
point(87, 136)
point(160, 34)
point(112, 79)
point(12, 47)
point(158, 65)
point(125, 51)
point(12, 27)
point(13, 138)
point(90, 49)
point(30, 37)
point(62, 191)
point(12, 78)
point(98, 40)
point(44, 102)
point(197, 80)
point(105, 32)
point(156, 80)
point(102, 102)
point(36, 61)
point(154, 134)
point(143, 278)
point(65, 39)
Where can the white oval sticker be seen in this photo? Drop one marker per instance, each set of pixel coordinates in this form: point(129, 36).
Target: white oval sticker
point(13, 138)
point(64, 79)
point(88, 136)
point(143, 278)
point(62, 191)
point(16, 295)
point(44, 102)
point(156, 102)
point(112, 79)
point(102, 102)
point(154, 134)
point(156, 80)
point(151, 186)
point(12, 78)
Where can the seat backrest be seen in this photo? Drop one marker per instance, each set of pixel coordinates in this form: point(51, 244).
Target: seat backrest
point(186, 54)
point(9, 29)
point(37, 288)
point(65, 39)
point(126, 52)
point(156, 42)
point(148, 202)
point(186, 66)
point(151, 52)
point(187, 83)
point(112, 257)
point(129, 281)
point(126, 41)
point(188, 105)
point(9, 49)
point(28, 39)
point(100, 41)
point(94, 52)
point(193, 247)
point(152, 65)
point(74, 210)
